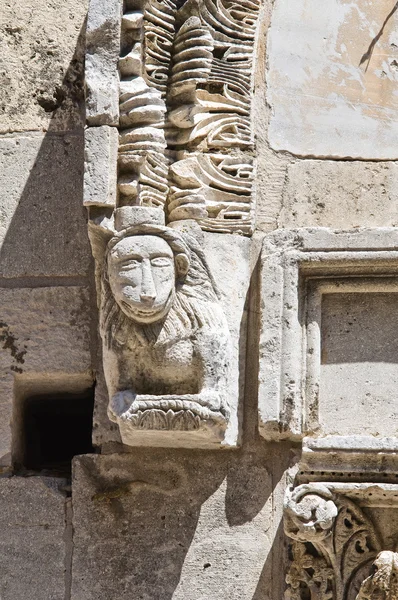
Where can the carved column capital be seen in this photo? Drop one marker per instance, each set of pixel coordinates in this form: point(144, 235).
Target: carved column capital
point(333, 543)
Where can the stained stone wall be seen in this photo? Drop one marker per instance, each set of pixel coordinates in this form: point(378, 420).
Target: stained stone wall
point(311, 315)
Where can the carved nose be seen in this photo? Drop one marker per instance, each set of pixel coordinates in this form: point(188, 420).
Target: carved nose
point(148, 290)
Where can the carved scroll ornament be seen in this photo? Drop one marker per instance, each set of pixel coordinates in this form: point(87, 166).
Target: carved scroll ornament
point(185, 93)
point(333, 544)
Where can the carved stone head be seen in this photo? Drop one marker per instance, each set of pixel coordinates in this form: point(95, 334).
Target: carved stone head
point(144, 263)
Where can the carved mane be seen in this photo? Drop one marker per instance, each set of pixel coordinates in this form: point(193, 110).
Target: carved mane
point(195, 305)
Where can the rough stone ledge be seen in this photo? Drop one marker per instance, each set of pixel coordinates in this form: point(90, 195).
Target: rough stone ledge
point(317, 239)
point(350, 454)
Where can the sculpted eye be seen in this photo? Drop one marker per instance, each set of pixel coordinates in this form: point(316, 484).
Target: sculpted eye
point(161, 261)
point(131, 264)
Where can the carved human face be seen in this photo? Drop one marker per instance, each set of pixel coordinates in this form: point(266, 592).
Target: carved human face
point(142, 277)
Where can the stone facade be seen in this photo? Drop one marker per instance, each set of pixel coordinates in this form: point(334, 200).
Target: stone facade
point(198, 279)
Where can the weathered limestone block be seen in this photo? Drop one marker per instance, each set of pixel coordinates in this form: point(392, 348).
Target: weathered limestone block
point(44, 338)
point(41, 79)
point(341, 194)
point(32, 539)
point(100, 166)
point(43, 227)
point(102, 55)
point(328, 296)
point(332, 78)
point(336, 531)
point(177, 524)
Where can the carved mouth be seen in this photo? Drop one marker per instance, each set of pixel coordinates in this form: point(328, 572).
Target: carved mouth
point(144, 312)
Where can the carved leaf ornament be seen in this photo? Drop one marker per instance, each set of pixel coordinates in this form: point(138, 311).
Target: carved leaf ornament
point(333, 540)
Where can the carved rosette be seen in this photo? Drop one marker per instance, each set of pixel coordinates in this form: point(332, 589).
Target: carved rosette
point(333, 543)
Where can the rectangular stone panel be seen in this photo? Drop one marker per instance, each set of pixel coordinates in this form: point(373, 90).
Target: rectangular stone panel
point(359, 363)
point(44, 347)
point(332, 78)
point(32, 543)
point(341, 194)
point(43, 228)
point(100, 166)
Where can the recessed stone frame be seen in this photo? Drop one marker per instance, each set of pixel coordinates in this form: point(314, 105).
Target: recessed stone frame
point(298, 268)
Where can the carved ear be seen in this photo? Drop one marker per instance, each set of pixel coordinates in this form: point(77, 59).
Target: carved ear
point(182, 265)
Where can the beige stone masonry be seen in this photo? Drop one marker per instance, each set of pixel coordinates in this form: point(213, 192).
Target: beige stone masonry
point(45, 347)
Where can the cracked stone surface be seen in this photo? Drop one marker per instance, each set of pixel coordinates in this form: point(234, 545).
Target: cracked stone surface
point(332, 78)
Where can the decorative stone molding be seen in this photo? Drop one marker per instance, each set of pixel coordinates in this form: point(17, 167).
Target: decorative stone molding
point(147, 35)
point(185, 137)
point(209, 114)
point(360, 456)
point(327, 339)
point(334, 543)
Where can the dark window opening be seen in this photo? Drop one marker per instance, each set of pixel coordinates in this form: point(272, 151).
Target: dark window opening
point(55, 428)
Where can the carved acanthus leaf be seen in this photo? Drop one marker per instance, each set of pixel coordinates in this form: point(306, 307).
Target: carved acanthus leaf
point(382, 584)
point(309, 573)
point(329, 527)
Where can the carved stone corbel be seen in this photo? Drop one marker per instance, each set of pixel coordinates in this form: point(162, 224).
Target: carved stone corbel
point(165, 339)
point(177, 148)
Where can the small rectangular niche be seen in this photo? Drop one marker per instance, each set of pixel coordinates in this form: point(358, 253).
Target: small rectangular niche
point(352, 356)
point(50, 429)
